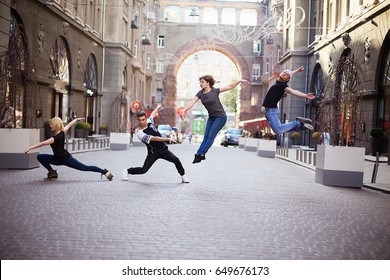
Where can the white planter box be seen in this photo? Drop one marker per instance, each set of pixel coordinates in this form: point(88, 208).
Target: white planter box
point(136, 141)
point(241, 142)
point(266, 148)
point(340, 166)
point(13, 142)
point(119, 141)
point(251, 144)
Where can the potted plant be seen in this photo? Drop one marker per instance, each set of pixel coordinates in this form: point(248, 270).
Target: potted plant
point(295, 135)
point(341, 163)
point(82, 129)
point(377, 140)
point(316, 136)
point(103, 128)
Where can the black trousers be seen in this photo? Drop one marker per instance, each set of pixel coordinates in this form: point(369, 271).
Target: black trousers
point(151, 159)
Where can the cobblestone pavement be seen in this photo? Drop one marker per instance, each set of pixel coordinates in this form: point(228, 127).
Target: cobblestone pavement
point(237, 206)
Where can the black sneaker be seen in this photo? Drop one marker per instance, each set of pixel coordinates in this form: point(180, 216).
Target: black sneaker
point(197, 158)
point(304, 120)
point(306, 126)
point(51, 176)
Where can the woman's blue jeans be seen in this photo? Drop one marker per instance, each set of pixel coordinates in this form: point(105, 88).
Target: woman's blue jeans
point(46, 160)
point(213, 126)
point(273, 117)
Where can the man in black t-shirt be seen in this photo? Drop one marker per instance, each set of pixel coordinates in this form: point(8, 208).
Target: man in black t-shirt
point(273, 96)
point(149, 135)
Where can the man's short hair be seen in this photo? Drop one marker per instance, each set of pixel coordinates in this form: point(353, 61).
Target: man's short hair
point(141, 114)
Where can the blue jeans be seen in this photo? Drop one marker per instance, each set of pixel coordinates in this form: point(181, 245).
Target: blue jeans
point(213, 126)
point(70, 161)
point(273, 117)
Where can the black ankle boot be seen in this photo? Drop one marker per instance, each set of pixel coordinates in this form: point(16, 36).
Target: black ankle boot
point(51, 176)
point(108, 175)
point(197, 158)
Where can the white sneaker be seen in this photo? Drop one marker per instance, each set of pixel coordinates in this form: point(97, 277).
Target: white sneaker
point(125, 175)
point(184, 179)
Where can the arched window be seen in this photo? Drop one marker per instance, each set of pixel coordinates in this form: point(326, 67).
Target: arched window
point(383, 115)
point(91, 87)
point(60, 72)
point(18, 76)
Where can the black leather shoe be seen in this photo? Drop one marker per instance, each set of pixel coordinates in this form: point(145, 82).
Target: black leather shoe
point(197, 158)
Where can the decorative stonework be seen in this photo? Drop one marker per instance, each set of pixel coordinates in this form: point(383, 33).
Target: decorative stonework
point(346, 39)
point(79, 55)
point(65, 27)
point(317, 56)
point(41, 38)
point(330, 67)
point(367, 51)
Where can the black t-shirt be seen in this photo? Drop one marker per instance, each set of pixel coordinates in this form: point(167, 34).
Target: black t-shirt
point(145, 136)
point(58, 145)
point(274, 94)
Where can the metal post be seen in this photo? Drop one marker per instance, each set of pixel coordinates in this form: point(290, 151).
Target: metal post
point(375, 171)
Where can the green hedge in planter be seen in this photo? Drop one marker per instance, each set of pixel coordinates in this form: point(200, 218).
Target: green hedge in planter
point(377, 132)
point(83, 125)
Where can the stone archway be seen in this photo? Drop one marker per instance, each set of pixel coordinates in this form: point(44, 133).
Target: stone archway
point(202, 44)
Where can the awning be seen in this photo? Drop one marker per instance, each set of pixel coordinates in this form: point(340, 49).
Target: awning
point(260, 122)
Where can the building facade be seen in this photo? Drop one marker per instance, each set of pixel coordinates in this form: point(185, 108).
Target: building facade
point(107, 60)
point(77, 58)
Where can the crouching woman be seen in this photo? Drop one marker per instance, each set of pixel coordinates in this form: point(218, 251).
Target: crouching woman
point(60, 155)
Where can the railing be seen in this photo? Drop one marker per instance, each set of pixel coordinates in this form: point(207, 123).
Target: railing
point(75, 145)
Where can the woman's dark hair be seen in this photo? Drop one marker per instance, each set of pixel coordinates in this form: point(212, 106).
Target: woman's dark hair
point(141, 114)
point(209, 79)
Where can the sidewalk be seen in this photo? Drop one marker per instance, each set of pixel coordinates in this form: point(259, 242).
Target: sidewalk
point(382, 182)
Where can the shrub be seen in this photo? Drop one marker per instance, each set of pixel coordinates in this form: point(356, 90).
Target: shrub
point(103, 127)
point(295, 134)
point(83, 125)
point(377, 132)
point(316, 135)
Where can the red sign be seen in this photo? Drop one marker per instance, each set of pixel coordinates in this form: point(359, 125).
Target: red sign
point(180, 111)
point(135, 105)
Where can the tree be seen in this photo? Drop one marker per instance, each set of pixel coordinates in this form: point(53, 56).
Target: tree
point(229, 99)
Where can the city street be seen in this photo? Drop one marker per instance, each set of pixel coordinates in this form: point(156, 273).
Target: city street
point(236, 206)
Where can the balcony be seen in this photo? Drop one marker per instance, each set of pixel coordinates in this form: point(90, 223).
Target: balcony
point(134, 24)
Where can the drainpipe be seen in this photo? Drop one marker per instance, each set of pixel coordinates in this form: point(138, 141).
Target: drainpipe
point(103, 58)
point(307, 60)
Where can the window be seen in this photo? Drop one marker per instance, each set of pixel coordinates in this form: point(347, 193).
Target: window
point(160, 66)
point(148, 61)
point(228, 16)
point(257, 47)
point(256, 72)
point(248, 17)
point(160, 41)
point(172, 13)
point(191, 15)
point(210, 15)
point(136, 48)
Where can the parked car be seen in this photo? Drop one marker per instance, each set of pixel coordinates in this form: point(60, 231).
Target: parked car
point(230, 137)
point(165, 130)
